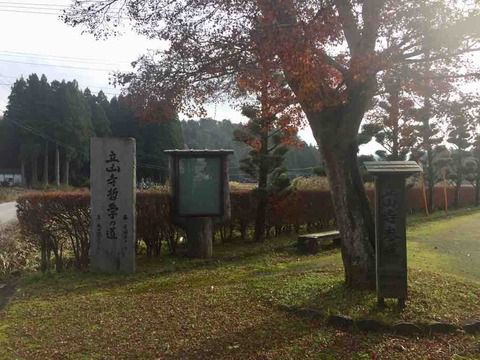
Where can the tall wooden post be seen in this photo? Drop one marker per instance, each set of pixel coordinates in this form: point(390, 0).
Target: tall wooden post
point(424, 192)
point(24, 173)
point(390, 227)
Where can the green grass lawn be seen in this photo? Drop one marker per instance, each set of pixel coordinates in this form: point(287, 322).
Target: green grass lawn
point(448, 245)
point(230, 307)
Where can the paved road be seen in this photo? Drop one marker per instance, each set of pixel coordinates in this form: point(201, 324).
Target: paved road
point(8, 212)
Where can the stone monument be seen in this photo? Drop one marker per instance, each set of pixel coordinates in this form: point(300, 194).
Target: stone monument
point(390, 227)
point(201, 195)
point(112, 185)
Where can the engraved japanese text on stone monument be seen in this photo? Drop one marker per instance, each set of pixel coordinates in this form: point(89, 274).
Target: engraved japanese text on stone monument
point(112, 181)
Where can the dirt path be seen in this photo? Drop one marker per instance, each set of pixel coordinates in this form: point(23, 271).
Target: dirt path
point(7, 290)
point(8, 212)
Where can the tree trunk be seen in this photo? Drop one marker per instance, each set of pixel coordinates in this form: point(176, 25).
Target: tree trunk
point(262, 194)
point(34, 181)
point(354, 218)
point(427, 137)
point(335, 126)
point(66, 171)
point(45, 166)
point(24, 175)
point(57, 166)
point(394, 118)
point(339, 148)
point(259, 234)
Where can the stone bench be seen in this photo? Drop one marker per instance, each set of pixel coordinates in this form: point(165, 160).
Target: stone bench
point(311, 243)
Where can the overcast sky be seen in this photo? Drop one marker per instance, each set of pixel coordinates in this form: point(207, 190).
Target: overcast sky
point(34, 39)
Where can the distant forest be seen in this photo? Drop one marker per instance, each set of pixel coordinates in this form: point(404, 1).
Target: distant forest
point(212, 134)
point(49, 121)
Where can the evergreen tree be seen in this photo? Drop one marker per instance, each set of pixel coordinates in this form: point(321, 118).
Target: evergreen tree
point(20, 115)
point(157, 137)
point(99, 119)
point(390, 121)
point(212, 134)
point(152, 138)
point(265, 160)
point(428, 135)
point(460, 135)
point(75, 128)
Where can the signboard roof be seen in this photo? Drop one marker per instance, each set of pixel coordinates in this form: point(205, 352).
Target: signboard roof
point(392, 167)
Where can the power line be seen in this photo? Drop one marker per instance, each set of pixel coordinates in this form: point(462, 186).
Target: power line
point(67, 59)
point(105, 92)
point(55, 65)
point(29, 7)
point(33, 5)
point(45, 9)
point(88, 86)
point(17, 3)
point(39, 134)
point(78, 150)
point(28, 12)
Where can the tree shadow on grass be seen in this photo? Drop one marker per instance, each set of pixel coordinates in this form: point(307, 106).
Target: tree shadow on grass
point(340, 300)
point(157, 269)
point(275, 332)
point(284, 335)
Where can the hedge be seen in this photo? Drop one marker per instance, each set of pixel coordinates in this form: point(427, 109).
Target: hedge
point(58, 222)
point(55, 222)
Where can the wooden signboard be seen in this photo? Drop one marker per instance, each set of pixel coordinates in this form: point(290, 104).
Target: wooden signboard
point(199, 185)
point(199, 180)
point(390, 226)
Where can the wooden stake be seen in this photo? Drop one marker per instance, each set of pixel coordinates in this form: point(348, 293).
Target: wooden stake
point(445, 194)
point(424, 195)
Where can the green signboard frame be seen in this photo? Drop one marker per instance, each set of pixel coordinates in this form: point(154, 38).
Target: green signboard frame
point(192, 196)
point(199, 186)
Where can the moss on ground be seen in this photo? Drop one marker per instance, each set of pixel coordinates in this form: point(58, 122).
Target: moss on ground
point(228, 307)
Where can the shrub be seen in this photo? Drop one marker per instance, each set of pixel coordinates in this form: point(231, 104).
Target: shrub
point(154, 223)
point(58, 223)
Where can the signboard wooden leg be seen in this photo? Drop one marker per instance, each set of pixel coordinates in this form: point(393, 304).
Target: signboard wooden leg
point(199, 237)
point(381, 302)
